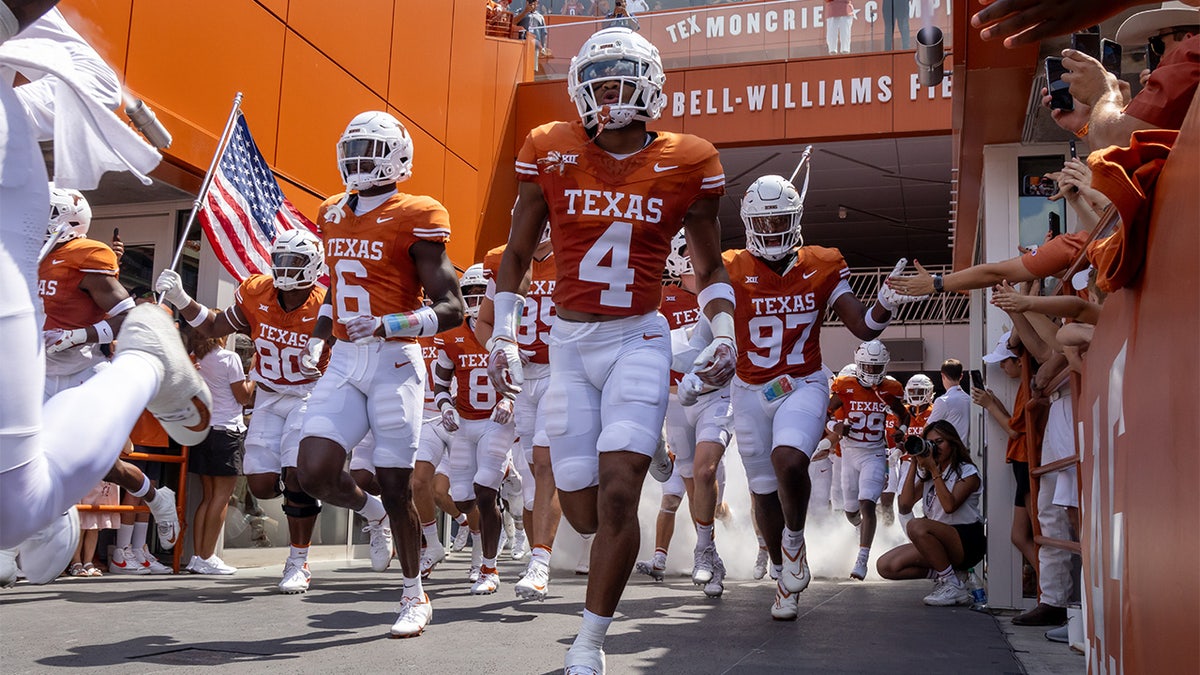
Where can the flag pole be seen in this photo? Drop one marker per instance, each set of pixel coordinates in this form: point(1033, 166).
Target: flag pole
point(208, 178)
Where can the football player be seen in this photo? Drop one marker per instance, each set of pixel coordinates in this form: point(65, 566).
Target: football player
point(481, 421)
point(866, 397)
point(615, 195)
point(781, 391)
point(278, 312)
point(542, 511)
point(384, 250)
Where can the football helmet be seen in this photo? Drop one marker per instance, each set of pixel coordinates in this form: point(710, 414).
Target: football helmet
point(870, 363)
point(623, 56)
point(297, 260)
point(678, 262)
point(919, 390)
point(375, 149)
point(771, 212)
point(473, 285)
point(848, 370)
point(69, 207)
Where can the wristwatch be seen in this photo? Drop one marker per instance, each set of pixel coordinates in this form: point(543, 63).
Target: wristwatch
point(937, 283)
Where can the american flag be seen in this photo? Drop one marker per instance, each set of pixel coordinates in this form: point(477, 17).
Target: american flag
point(245, 209)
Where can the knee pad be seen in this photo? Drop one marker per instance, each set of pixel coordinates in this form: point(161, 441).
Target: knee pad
point(299, 504)
point(572, 474)
point(628, 435)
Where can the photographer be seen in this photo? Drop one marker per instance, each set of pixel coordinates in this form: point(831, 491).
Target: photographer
point(950, 537)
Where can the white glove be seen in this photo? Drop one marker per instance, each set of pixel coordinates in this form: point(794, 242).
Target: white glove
point(689, 390)
point(716, 364)
point(311, 357)
point(450, 418)
point(170, 284)
point(888, 297)
point(503, 412)
point(505, 366)
point(59, 340)
point(362, 327)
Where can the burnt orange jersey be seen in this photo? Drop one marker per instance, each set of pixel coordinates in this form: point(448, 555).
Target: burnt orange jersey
point(889, 429)
point(68, 306)
point(458, 349)
point(611, 220)
point(866, 409)
point(370, 269)
point(778, 318)
point(917, 416)
point(538, 316)
point(680, 308)
point(279, 336)
point(429, 352)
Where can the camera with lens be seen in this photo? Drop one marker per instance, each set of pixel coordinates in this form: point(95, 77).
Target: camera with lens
point(915, 446)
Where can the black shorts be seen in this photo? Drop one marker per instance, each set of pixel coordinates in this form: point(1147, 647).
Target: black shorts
point(974, 544)
point(220, 454)
point(1021, 473)
point(158, 472)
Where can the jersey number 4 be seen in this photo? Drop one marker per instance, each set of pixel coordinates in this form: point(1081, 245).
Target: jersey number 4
point(617, 275)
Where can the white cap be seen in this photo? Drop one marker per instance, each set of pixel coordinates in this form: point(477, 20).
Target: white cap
point(1079, 280)
point(1142, 25)
point(1001, 351)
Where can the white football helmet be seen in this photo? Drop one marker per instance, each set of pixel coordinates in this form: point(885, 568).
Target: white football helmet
point(621, 55)
point(678, 262)
point(848, 370)
point(919, 390)
point(297, 260)
point(473, 285)
point(375, 149)
point(771, 212)
point(870, 363)
point(70, 207)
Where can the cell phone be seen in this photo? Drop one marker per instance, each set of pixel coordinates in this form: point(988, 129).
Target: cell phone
point(1110, 56)
point(977, 379)
point(1088, 43)
point(1060, 92)
point(1055, 225)
point(1152, 58)
point(116, 233)
point(1074, 151)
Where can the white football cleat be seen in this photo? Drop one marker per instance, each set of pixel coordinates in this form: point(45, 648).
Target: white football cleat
point(487, 583)
point(520, 545)
point(761, 563)
point(583, 661)
point(795, 575)
point(647, 567)
point(787, 604)
point(381, 543)
point(295, 577)
point(415, 615)
point(533, 585)
point(460, 539)
point(860, 567)
point(430, 557)
point(702, 565)
point(166, 517)
point(716, 586)
point(473, 573)
point(45, 555)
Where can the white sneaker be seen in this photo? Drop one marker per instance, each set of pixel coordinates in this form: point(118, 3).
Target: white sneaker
point(148, 561)
point(381, 543)
point(44, 556)
point(662, 464)
point(295, 577)
point(647, 567)
point(948, 594)
point(787, 604)
point(415, 614)
point(761, 563)
point(581, 661)
point(212, 566)
point(124, 561)
point(473, 573)
point(430, 557)
point(702, 565)
point(716, 585)
point(795, 575)
point(520, 545)
point(460, 539)
point(166, 518)
point(183, 402)
point(221, 564)
point(860, 567)
point(487, 583)
point(533, 585)
point(8, 567)
point(192, 564)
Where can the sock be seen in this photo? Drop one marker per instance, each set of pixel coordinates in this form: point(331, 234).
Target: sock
point(412, 587)
point(140, 528)
point(431, 535)
point(373, 510)
point(141, 492)
point(461, 519)
point(490, 564)
point(298, 552)
point(476, 548)
point(793, 540)
point(660, 558)
point(948, 576)
point(592, 632)
point(541, 555)
point(762, 543)
point(125, 535)
point(704, 535)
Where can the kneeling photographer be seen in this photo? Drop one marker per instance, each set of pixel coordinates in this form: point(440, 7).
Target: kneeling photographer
point(950, 536)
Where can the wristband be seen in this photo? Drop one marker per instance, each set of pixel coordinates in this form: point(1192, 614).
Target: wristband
point(421, 322)
point(442, 397)
point(122, 307)
point(326, 312)
point(9, 26)
point(508, 307)
point(199, 319)
point(938, 283)
point(722, 327)
point(831, 425)
point(1083, 131)
point(874, 325)
point(903, 429)
point(717, 291)
point(104, 332)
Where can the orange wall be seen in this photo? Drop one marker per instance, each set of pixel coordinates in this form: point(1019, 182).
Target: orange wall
point(306, 68)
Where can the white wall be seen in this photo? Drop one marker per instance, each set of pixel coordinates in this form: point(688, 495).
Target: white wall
point(941, 343)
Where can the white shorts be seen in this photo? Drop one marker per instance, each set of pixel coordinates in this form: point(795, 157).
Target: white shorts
point(273, 437)
point(608, 393)
point(835, 475)
point(820, 473)
point(375, 386)
point(796, 421)
point(57, 383)
point(362, 457)
point(674, 485)
point(434, 445)
point(708, 421)
point(892, 485)
point(529, 414)
point(478, 453)
point(864, 471)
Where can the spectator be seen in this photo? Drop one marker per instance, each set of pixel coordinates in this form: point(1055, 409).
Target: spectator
point(218, 458)
point(620, 18)
point(950, 536)
point(895, 13)
point(636, 7)
point(1075, 185)
point(499, 20)
point(573, 8)
point(91, 522)
point(839, 15)
point(531, 22)
point(953, 406)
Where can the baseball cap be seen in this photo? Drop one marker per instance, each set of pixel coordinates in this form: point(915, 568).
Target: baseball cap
point(1142, 25)
point(1001, 351)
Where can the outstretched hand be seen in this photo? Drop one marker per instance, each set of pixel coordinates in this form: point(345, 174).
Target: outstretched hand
point(917, 284)
point(1022, 22)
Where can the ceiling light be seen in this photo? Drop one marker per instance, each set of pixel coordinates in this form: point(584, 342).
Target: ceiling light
point(841, 213)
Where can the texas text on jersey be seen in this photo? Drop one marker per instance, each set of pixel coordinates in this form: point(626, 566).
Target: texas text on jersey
point(778, 318)
point(538, 315)
point(279, 335)
point(681, 309)
point(866, 408)
point(429, 352)
point(67, 306)
point(375, 246)
point(458, 349)
point(600, 205)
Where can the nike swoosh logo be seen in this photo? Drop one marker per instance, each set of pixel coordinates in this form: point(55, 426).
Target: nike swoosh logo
point(56, 262)
point(660, 169)
point(308, 319)
point(805, 276)
point(648, 336)
point(383, 220)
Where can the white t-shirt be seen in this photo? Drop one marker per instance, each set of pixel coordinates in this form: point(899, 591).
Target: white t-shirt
point(636, 6)
point(221, 368)
point(967, 512)
point(954, 406)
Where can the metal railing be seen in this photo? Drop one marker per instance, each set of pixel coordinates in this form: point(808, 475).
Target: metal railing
point(941, 308)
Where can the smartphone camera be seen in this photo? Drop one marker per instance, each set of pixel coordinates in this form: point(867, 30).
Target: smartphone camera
point(1060, 92)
